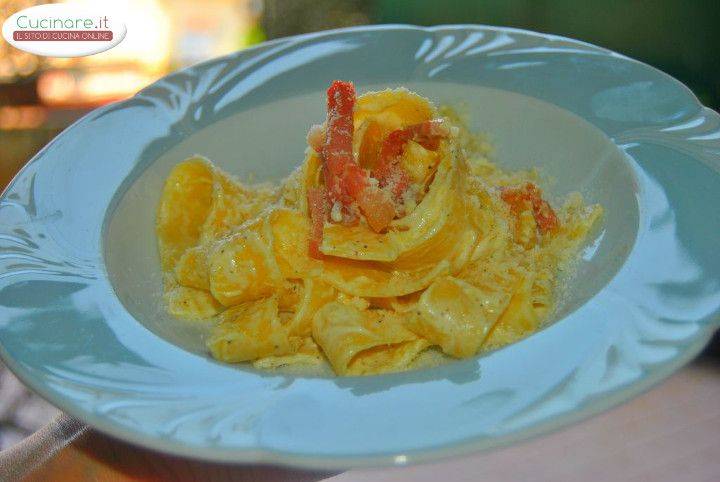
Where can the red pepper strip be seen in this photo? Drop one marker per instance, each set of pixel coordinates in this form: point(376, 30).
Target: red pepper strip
point(428, 134)
point(375, 204)
point(337, 152)
point(530, 196)
point(354, 181)
point(378, 208)
point(318, 206)
point(345, 180)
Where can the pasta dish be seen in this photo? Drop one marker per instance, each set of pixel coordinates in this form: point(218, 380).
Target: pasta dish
point(395, 236)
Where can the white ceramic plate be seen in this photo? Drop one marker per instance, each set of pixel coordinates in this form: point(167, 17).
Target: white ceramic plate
point(80, 319)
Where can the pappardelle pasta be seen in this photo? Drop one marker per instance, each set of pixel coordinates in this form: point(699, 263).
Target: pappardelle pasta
point(395, 236)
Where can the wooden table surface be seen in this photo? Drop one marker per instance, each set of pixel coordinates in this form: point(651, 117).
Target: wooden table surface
point(671, 433)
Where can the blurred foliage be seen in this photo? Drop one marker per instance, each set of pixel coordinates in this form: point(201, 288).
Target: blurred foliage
point(290, 17)
point(680, 37)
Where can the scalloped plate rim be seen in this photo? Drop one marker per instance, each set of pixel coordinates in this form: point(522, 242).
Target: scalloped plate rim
point(594, 405)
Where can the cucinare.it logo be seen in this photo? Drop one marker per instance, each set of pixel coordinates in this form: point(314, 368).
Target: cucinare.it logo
point(63, 30)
